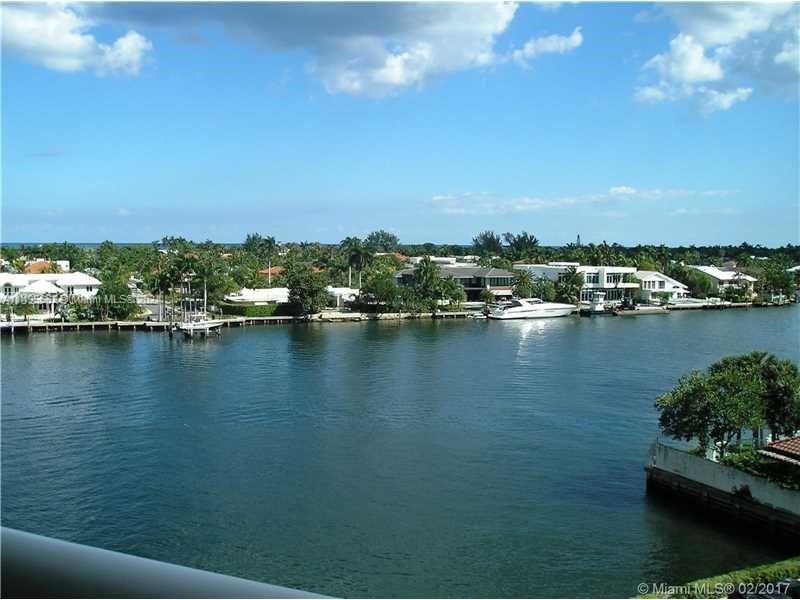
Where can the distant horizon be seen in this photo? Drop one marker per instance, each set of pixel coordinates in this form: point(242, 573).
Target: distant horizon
point(404, 243)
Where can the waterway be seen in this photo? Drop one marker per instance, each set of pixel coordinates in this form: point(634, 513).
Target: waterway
point(429, 458)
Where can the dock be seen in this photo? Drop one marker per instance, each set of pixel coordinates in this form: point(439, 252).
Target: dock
point(166, 326)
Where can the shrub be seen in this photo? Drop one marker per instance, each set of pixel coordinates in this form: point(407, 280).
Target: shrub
point(254, 310)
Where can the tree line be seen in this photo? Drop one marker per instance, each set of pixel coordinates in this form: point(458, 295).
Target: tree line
point(167, 267)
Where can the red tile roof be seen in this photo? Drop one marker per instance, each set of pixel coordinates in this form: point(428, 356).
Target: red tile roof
point(789, 447)
point(37, 267)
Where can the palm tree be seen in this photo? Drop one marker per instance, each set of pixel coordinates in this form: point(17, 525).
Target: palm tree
point(523, 284)
point(358, 257)
point(452, 290)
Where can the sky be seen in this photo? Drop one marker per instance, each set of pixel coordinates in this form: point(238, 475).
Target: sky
point(631, 123)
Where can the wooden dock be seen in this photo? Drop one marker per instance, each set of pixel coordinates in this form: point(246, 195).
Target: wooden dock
point(166, 326)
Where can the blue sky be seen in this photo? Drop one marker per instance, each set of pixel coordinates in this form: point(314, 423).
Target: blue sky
point(635, 123)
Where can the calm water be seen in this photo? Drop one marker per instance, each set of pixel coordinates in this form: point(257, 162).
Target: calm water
point(377, 459)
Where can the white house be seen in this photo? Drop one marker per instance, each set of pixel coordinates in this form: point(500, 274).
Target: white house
point(653, 282)
point(259, 296)
point(722, 279)
point(46, 290)
point(607, 279)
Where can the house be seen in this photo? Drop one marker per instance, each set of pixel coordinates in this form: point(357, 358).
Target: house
point(259, 296)
point(473, 279)
point(607, 279)
point(657, 284)
point(47, 290)
point(786, 450)
point(722, 279)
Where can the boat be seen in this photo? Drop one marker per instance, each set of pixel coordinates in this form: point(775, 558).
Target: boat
point(200, 324)
point(531, 308)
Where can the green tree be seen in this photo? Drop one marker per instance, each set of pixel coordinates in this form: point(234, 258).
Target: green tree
point(114, 299)
point(544, 289)
point(487, 243)
point(523, 284)
point(427, 282)
point(569, 285)
point(522, 247)
point(358, 257)
point(381, 291)
point(487, 297)
point(453, 291)
point(307, 289)
point(382, 241)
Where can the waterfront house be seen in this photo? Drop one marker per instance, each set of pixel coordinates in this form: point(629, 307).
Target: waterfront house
point(786, 450)
point(46, 290)
point(607, 279)
point(655, 284)
point(472, 278)
point(722, 279)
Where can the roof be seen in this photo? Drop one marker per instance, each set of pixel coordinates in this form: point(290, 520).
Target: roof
point(38, 266)
point(277, 294)
point(722, 275)
point(41, 287)
point(276, 270)
point(642, 275)
point(789, 447)
point(59, 279)
point(464, 272)
point(787, 450)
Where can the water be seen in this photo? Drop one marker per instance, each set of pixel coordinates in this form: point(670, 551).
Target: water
point(458, 458)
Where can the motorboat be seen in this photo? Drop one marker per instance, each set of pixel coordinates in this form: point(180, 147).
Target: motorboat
point(531, 308)
point(200, 324)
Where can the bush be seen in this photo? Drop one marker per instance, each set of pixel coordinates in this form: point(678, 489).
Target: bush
point(713, 587)
point(746, 458)
point(254, 310)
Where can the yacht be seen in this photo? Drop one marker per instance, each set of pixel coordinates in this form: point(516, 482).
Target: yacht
point(531, 308)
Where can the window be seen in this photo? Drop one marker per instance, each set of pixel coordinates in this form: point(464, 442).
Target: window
point(591, 277)
point(89, 288)
point(70, 290)
point(614, 277)
point(7, 290)
point(661, 284)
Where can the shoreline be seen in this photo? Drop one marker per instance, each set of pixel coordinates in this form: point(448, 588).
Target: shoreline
point(323, 317)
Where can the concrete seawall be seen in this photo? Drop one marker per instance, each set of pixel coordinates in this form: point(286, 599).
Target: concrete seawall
point(724, 490)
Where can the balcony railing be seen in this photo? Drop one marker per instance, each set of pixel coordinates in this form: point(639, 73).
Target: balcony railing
point(34, 566)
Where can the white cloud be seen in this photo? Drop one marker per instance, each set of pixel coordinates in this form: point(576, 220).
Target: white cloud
point(551, 44)
point(685, 62)
point(122, 212)
point(723, 52)
point(725, 211)
point(56, 37)
point(370, 49)
point(789, 54)
point(716, 24)
point(487, 204)
point(622, 190)
point(713, 100)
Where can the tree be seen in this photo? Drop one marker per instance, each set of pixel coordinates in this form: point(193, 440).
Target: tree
point(735, 394)
point(453, 291)
point(544, 289)
point(382, 241)
point(307, 289)
point(487, 243)
point(487, 297)
point(114, 300)
point(569, 285)
point(522, 284)
point(427, 280)
point(380, 290)
point(522, 247)
point(357, 255)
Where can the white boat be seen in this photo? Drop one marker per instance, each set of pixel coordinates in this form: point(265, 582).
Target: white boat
point(531, 308)
point(201, 325)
